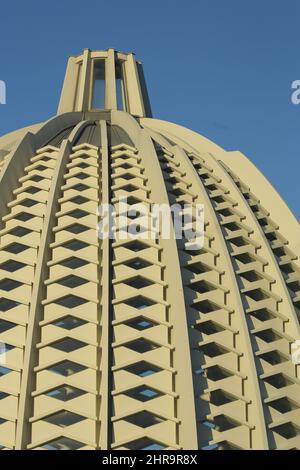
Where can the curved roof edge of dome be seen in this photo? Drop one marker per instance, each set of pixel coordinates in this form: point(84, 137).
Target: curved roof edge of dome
point(178, 134)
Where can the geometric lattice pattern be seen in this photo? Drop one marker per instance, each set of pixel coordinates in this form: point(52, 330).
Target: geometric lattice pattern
point(144, 343)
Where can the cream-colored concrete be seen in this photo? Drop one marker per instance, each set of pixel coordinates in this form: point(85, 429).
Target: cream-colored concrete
point(142, 343)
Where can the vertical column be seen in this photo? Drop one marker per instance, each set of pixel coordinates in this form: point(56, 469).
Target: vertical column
point(257, 415)
point(84, 85)
point(135, 97)
point(33, 330)
point(105, 302)
point(67, 98)
point(110, 81)
point(181, 359)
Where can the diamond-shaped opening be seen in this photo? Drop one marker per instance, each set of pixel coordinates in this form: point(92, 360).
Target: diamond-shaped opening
point(232, 226)
point(134, 229)
point(75, 245)
point(166, 168)
point(145, 444)
point(178, 192)
point(283, 405)
point(11, 265)
point(202, 286)
point(206, 306)
point(278, 380)
point(136, 245)
point(37, 178)
point(83, 165)
point(140, 323)
point(251, 276)
point(3, 395)
point(79, 200)
point(211, 186)
point(271, 236)
point(294, 286)
point(134, 214)
point(198, 268)
point(20, 231)
point(76, 228)
point(273, 357)
point(245, 258)
point(223, 423)
point(73, 262)
point(16, 248)
point(72, 281)
point(32, 190)
point(137, 263)
point(41, 167)
point(218, 199)
point(213, 349)
point(126, 166)
point(143, 393)
point(172, 179)
point(28, 203)
point(65, 393)
point(144, 419)
point(140, 302)
point(127, 176)
point(64, 418)
point(279, 252)
point(257, 294)
point(287, 430)
point(81, 176)
point(78, 213)
point(4, 371)
point(239, 241)
point(287, 268)
point(70, 301)
point(131, 200)
point(142, 369)
point(130, 188)
point(263, 314)
point(297, 304)
point(138, 282)
point(141, 345)
point(80, 187)
point(268, 335)
point(66, 368)
point(209, 327)
point(224, 212)
point(63, 443)
point(7, 304)
point(45, 159)
point(219, 397)
point(69, 322)
point(216, 373)
point(9, 284)
point(24, 216)
point(6, 325)
point(68, 345)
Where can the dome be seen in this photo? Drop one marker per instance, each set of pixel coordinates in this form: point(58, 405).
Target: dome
point(143, 342)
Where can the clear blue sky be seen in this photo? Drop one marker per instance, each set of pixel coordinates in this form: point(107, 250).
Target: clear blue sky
point(221, 67)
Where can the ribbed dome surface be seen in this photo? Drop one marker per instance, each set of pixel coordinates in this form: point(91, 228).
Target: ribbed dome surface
point(143, 343)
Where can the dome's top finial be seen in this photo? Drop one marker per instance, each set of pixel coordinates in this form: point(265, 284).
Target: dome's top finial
point(105, 80)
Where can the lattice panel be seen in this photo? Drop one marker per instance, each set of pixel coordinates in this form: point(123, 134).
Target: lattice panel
point(19, 246)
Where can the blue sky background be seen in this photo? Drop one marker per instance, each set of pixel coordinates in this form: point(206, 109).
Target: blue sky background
point(221, 67)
